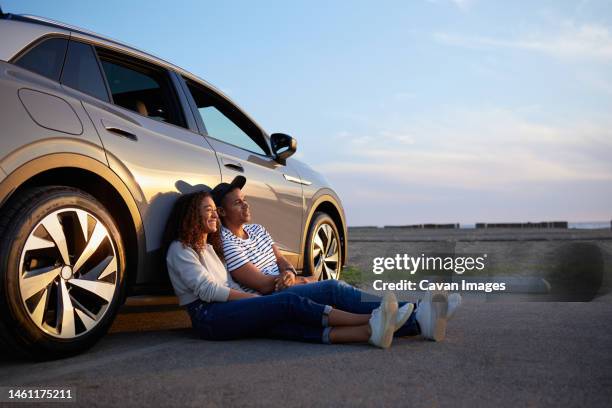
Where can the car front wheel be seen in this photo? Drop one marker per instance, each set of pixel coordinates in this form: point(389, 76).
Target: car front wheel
point(323, 255)
point(62, 271)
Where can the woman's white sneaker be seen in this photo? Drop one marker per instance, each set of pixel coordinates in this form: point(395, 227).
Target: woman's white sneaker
point(382, 322)
point(403, 314)
point(454, 301)
point(431, 314)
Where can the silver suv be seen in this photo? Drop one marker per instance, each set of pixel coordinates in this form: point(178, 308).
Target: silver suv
point(97, 141)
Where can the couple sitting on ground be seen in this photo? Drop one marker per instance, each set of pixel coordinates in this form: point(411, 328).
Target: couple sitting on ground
point(235, 283)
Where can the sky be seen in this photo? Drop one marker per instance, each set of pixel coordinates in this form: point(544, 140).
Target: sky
point(416, 111)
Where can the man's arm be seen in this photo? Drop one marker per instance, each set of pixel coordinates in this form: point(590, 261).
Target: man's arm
point(249, 275)
point(288, 274)
point(281, 261)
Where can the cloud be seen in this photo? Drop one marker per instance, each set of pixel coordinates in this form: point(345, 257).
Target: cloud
point(461, 4)
point(486, 150)
point(568, 41)
point(596, 82)
point(379, 137)
point(403, 96)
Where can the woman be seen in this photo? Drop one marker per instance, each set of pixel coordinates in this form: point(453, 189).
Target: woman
point(255, 262)
point(219, 310)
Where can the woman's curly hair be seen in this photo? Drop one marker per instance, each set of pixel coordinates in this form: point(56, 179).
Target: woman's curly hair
point(186, 225)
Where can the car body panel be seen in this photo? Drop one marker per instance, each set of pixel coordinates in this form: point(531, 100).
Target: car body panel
point(50, 111)
point(23, 139)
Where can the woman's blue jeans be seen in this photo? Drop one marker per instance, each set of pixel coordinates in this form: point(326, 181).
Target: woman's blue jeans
point(345, 297)
point(283, 315)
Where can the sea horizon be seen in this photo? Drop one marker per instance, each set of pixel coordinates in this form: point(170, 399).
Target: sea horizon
point(570, 225)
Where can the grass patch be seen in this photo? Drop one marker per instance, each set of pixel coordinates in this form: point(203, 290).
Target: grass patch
point(351, 275)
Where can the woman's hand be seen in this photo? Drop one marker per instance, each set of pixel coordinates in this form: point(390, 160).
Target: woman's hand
point(238, 294)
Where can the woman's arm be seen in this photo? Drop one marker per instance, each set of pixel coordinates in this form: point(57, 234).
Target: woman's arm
point(238, 294)
point(190, 275)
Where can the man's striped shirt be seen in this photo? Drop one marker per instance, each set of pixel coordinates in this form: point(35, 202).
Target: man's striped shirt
point(257, 249)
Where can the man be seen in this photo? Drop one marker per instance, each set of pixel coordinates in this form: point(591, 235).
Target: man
point(251, 255)
point(255, 262)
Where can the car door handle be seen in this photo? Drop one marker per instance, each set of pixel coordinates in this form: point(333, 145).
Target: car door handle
point(297, 180)
point(235, 167)
point(121, 132)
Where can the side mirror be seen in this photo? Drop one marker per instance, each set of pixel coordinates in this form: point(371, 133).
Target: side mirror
point(283, 146)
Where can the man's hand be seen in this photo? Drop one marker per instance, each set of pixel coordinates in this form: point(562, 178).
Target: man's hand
point(286, 279)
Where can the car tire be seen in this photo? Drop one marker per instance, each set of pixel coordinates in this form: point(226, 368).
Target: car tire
point(323, 253)
point(62, 271)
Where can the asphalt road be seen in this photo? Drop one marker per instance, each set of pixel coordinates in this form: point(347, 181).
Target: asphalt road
point(496, 354)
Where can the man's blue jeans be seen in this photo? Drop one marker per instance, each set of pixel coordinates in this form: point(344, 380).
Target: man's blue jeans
point(343, 296)
point(282, 315)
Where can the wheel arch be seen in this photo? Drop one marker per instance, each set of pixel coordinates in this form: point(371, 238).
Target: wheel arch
point(95, 178)
point(330, 205)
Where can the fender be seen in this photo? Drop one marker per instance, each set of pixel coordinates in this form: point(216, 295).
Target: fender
point(71, 160)
point(76, 147)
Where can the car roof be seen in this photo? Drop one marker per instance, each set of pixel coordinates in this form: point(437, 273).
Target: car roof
point(122, 46)
point(74, 29)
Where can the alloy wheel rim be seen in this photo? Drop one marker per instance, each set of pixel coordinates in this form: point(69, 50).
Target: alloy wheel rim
point(68, 273)
point(326, 252)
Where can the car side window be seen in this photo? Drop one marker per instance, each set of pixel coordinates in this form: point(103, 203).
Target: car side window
point(82, 71)
point(141, 87)
point(225, 122)
point(45, 58)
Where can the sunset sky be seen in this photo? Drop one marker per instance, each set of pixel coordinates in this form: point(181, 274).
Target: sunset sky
point(416, 111)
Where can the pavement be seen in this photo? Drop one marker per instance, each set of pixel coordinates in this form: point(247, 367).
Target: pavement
point(500, 354)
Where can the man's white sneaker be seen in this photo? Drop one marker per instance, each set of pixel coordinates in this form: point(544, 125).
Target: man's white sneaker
point(431, 314)
point(382, 322)
point(454, 301)
point(403, 313)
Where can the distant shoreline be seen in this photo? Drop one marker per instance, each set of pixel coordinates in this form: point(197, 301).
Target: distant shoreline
point(590, 225)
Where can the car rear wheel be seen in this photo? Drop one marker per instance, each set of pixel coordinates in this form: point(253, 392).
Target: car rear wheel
point(323, 255)
point(62, 271)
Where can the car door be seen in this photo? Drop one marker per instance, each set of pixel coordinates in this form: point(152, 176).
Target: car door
point(148, 137)
point(275, 197)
